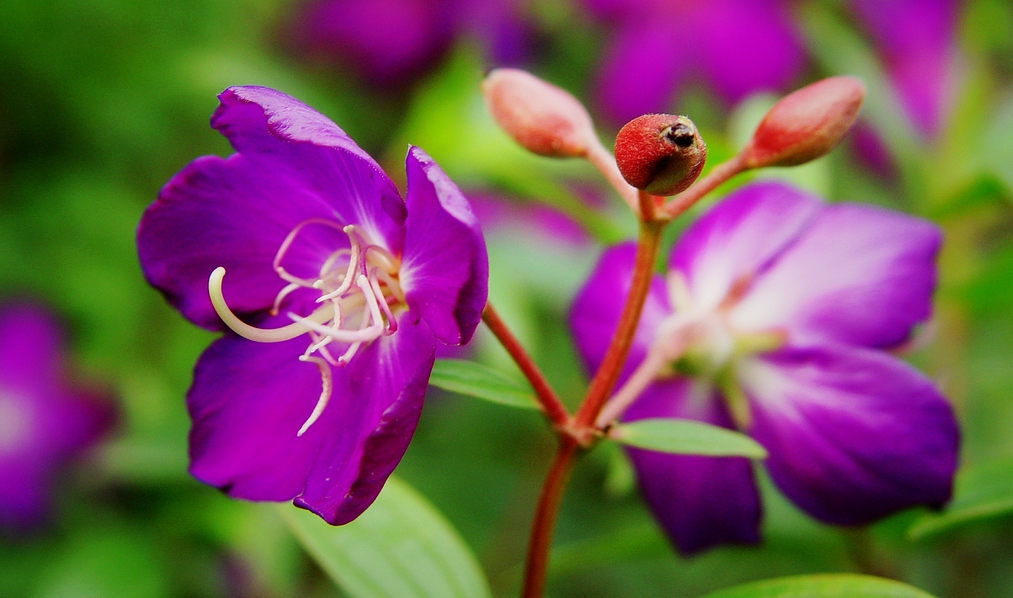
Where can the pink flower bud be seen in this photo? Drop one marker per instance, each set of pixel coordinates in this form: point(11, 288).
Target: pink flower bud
point(543, 118)
point(660, 153)
point(806, 124)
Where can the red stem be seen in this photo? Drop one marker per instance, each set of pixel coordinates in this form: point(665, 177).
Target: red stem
point(719, 174)
point(608, 372)
point(553, 407)
point(536, 566)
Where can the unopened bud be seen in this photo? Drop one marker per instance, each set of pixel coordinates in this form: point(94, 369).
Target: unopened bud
point(660, 153)
point(543, 118)
point(806, 124)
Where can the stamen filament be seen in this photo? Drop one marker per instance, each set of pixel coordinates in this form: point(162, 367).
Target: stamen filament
point(262, 335)
point(326, 383)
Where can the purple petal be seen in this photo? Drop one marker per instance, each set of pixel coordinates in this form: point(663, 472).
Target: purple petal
point(293, 165)
point(916, 41)
point(296, 143)
point(445, 269)
point(42, 422)
point(746, 46)
point(233, 213)
point(247, 402)
point(372, 422)
point(595, 312)
point(388, 42)
point(853, 434)
point(641, 70)
point(699, 501)
point(740, 237)
point(859, 275)
point(29, 349)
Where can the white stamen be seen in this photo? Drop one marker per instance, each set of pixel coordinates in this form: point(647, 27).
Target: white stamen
point(326, 383)
point(360, 282)
point(261, 335)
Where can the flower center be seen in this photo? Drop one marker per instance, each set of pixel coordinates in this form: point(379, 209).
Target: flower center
point(358, 293)
point(711, 346)
point(14, 423)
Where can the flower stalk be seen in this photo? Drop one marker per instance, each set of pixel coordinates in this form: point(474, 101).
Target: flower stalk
point(536, 565)
point(608, 373)
point(547, 399)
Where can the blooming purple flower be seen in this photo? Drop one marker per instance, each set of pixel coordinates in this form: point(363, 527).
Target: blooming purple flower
point(775, 318)
point(43, 422)
point(737, 47)
point(391, 43)
point(916, 41)
point(336, 293)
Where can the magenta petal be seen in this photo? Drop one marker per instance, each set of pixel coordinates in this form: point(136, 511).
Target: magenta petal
point(232, 213)
point(746, 46)
point(596, 309)
point(29, 349)
point(853, 434)
point(699, 501)
point(388, 42)
point(445, 269)
point(371, 422)
point(640, 71)
point(859, 275)
point(295, 143)
point(43, 423)
point(247, 402)
point(916, 39)
point(740, 237)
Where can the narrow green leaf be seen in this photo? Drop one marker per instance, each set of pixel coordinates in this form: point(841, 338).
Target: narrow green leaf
point(401, 547)
point(836, 585)
point(476, 380)
point(981, 492)
point(686, 437)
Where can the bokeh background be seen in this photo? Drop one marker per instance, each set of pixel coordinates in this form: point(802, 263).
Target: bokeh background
point(101, 101)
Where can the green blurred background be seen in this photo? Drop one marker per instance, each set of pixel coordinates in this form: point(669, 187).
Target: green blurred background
point(103, 100)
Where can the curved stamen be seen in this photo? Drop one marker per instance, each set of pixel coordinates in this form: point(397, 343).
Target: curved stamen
point(289, 239)
point(281, 296)
point(326, 383)
point(359, 281)
point(263, 335)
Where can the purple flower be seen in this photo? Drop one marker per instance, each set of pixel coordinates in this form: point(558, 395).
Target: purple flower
point(43, 422)
point(391, 43)
point(775, 318)
point(346, 286)
point(916, 41)
point(737, 47)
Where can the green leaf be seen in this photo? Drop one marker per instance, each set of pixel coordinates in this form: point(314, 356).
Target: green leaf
point(686, 437)
point(401, 547)
point(476, 380)
point(839, 585)
point(982, 492)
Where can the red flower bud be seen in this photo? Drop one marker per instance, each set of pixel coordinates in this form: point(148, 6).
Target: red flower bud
point(806, 124)
point(660, 153)
point(543, 118)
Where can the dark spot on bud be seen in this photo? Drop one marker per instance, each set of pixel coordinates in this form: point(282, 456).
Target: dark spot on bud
point(680, 135)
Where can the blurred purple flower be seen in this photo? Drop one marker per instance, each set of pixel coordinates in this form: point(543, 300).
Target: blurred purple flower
point(915, 39)
point(775, 319)
point(43, 422)
point(391, 43)
point(350, 285)
point(737, 47)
